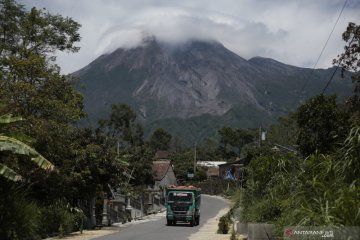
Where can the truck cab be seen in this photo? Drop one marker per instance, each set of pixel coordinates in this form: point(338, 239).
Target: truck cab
point(183, 204)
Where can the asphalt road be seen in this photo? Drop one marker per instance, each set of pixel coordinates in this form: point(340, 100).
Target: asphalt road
point(158, 230)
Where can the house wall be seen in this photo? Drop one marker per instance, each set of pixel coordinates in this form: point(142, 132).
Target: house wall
point(169, 178)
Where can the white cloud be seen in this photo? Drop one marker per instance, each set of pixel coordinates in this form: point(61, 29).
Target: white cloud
point(290, 31)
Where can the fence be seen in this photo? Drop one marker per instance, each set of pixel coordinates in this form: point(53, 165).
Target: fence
point(124, 208)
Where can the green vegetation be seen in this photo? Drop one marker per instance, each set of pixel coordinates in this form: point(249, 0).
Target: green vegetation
point(321, 125)
point(86, 161)
point(18, 147)
point(160, 139)
point(206, 126)
point(318, 187)
point(349, 61)
point(318, 191)
point(224, 224)
point(236, 139)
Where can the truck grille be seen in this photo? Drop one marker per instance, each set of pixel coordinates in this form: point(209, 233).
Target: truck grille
point(179, 209)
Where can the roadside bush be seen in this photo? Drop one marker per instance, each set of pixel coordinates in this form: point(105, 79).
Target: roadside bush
point(233, 235)
point(224, 224)
point(78, 220)
point(321, 190)
point(20, 218)
point(266, 210)
point(57, 219)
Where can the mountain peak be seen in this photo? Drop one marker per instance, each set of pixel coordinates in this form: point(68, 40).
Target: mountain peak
point(262, 60)
point(275, 66)
point(163, 80)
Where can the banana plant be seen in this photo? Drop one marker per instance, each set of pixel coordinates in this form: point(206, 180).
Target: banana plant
point(18, 147)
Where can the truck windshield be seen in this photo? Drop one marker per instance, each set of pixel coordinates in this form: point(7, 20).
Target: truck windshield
point(179, 197)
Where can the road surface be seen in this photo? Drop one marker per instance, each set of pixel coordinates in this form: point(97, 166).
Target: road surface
point(157, 229)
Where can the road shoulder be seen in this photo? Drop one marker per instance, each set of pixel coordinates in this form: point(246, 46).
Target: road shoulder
point(209, 229)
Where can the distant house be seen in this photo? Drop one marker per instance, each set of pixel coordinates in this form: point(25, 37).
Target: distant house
point(212, 172)
point(162, 155)
point(163, 174)
point(235, 168)
point(209, 163)
point(211, 166)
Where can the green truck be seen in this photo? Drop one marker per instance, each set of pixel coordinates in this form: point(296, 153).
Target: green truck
point(183, 204)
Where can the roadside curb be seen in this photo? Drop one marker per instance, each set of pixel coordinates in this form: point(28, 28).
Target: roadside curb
point(209, 229)
point(106, 230)
point(206, 232)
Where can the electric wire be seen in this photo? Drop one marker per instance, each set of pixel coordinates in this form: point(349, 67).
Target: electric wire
point(337, 67)
point(322, 51)
point(332, 76)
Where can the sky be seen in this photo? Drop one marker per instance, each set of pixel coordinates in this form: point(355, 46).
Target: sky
point(290, 31)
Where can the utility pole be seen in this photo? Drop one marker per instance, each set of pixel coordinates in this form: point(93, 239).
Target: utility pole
point(260, 136)
point(195, 159)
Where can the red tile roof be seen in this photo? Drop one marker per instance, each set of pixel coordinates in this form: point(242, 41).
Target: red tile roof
point(162, 154)
point(160, 168)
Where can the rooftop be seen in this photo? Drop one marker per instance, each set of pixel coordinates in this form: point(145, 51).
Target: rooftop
point(160, 168)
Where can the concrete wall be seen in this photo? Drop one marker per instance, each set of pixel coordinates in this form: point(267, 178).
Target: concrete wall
point(256, 231)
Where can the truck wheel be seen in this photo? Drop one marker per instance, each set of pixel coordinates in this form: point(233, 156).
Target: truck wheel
point(174, 222)
point(197, 220)
point(192, 222)
point(169, 222)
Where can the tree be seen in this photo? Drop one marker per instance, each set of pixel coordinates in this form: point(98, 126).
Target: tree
point(183, 162)
point(241, 137)
point(208, 150)
point(322, 124)
point(236, 138)
point(96, 164)
point(32, 86)
point(349, 60)
point(123, 125)
point(30, 82)
point(226, 135)
point(140, 165)
point(18, 147)
point(160, 139)
point(284, 132)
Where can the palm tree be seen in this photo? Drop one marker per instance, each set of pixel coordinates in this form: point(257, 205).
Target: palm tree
point(18, 147)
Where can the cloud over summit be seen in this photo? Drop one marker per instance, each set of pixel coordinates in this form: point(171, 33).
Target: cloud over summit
point(291, 31)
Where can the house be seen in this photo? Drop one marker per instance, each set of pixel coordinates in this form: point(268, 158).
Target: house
point(212, 172)
point(163, 174)
point(235, 168)
point(209, 163)
point(162, 155)
point(211, 166)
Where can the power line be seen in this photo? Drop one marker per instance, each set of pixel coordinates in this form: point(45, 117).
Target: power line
point(337, 67)
point(332, 76)
point(322, 51)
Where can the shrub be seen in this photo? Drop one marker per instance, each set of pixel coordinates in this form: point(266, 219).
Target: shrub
point(233, 235)
point(20, 218)
point(321, 190)
point(58, 216)
point(224, 224)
